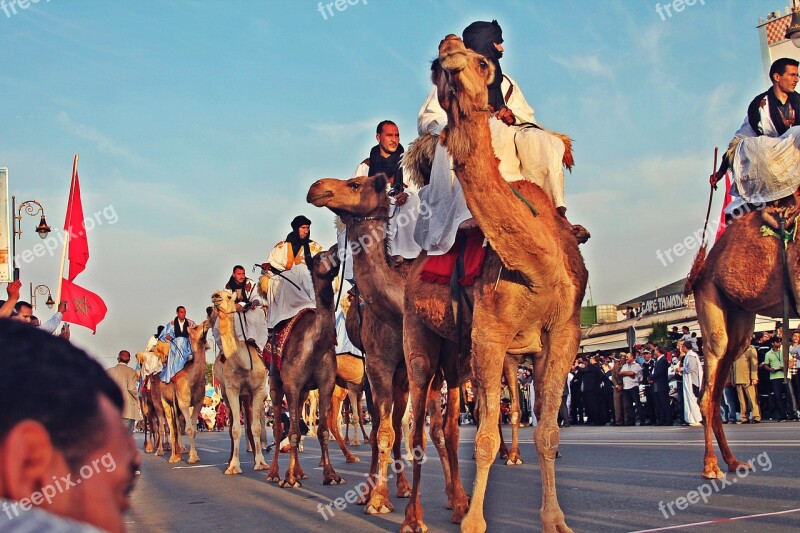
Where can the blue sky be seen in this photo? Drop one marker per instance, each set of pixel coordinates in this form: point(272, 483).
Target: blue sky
point(202, 124)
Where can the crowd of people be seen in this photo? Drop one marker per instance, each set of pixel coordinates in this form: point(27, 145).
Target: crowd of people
point(660, 385)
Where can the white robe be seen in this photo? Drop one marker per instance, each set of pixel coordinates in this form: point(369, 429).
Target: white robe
point(253, 320)
point(524, 152)
point(765, 167)
point(343, 343)
point(285, 300)
point(692, 375)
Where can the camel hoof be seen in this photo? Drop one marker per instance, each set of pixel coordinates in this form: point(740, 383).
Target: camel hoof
point(713, 473)
point(403, 494)
point(175, 459)
point(274, 479)
point(262, 466)
point(736, 465)
point(148, 448)
point(233, 470)
point(285, 484)
point(159, 453)
point(370, 509)
point(419, 527)
point(352, 459)
point(333, 480)
point(514, 461)
point(193, 460)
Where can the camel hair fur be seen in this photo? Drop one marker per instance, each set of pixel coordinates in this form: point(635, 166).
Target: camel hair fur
point(243, 382)
point(742, 276)
point(308, 362)
point(183, 396)
point(363, 206)
point(526, 301)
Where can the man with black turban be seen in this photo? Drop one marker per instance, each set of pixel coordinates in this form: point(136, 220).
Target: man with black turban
point(290, 288)
point(524, 149)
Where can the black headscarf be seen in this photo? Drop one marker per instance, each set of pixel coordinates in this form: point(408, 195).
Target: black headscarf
point(480, 37)
point(388, 165)
point(239, 289)
point(296, 242)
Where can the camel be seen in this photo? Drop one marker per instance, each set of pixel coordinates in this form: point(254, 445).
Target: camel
point(740, 277)
point(155, 420)
point(310, 411)
point(243, 381)
point(308, 362)
point(363, 206)
point(526, 300)
point(184, 395)
point(349, 384)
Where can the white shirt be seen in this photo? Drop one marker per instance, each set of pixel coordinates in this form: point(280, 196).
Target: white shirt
point(627, 381)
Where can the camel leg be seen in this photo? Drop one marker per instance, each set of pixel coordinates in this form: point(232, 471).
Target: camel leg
point(174, 431)
point(436, 431)
point(257, 402)
point(344, 418)
point(333, 423)
point(488, 353)
point(422, 350)
point(399, 397)
point(382, 442)
point(558, 353)
point(359, 403)
point(290, 480)
point(329, 476)
point(190, 414)
point(354, 414)
point(276, 396)
point(407, 430)
point(458, 499)
point(234, 467)
point(510, 367)
point(298, 469)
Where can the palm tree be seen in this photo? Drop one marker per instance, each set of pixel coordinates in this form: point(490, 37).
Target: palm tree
point(660, 334)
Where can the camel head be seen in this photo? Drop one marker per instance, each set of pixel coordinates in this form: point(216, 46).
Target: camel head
point(462, 78)
point(197, 338)
point(362, 196)
point(224, 302)
point(324, 269)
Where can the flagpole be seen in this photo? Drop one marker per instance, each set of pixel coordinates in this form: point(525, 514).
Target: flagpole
point(67, 237)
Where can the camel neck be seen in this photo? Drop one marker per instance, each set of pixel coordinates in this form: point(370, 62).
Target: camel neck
point(376, 281)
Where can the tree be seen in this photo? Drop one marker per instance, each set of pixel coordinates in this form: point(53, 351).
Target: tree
point(660, 334)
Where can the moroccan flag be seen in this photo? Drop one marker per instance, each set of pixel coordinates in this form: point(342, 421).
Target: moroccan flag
point(84, 308)
point(78, 244)
point(725, 202)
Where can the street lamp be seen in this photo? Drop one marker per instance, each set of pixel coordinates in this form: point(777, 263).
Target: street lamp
point(41, 290)
point(793, 31)
point(32, 208)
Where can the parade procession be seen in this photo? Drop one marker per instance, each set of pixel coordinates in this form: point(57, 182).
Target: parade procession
point(324, 264)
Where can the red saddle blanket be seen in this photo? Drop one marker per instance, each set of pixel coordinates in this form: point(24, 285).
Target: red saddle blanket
point(274, 347)
point(439, 268)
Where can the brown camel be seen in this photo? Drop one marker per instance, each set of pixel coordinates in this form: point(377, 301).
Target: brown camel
point(741, 277)
point(363, 206)
point(184, 395)
point(526, 301)
point(243, 382)
point(308, 362)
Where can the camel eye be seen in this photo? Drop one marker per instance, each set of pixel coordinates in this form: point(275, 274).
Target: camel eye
point(354, 185)
point(483, 64)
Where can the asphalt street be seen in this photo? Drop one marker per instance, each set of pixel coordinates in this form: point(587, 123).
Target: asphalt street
point(609, 479)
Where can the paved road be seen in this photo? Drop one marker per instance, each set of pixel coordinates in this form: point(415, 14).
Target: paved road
point(609, 479)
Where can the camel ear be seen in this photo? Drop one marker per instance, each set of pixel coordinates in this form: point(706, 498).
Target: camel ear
point(380, 182)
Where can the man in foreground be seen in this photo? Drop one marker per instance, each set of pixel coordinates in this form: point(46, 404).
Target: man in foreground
point(60, 472)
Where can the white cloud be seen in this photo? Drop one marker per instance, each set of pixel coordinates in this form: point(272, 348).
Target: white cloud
point(580, 65)
point(104, 143)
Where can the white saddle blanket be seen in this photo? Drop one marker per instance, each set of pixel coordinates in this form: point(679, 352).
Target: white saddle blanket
point(767, 168)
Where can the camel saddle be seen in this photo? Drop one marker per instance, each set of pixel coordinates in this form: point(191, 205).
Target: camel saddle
point(439, 268)
point(787, 208)
point(273, 351)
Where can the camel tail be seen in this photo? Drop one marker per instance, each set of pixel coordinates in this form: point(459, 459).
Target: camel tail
point(697, 266)
point(569, 159)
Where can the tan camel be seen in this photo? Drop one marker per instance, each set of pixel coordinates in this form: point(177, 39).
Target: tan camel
point(526, 301)
point(310, 409)
point(155, 420)
point(308, 362)
point(243, 382)
point(363, 205)
point(741, 277)
point(184, 395)
point(349, 384)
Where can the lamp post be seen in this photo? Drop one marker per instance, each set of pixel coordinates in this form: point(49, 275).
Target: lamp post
point(41, 290)
point(793, 31)
point(32, 208)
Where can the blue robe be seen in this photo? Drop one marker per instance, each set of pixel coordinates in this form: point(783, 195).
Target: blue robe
point(343, 343)
point(180, 349)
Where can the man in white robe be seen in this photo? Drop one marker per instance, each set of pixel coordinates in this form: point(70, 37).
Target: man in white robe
point(524, 150)
point(692, 382)
point(250, 321)
point(766, 160)
point(405, 207)
point(290, 286)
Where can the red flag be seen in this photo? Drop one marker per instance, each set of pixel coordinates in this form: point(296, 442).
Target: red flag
point(84, 308)
point(725, 202)
point(73, 225)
